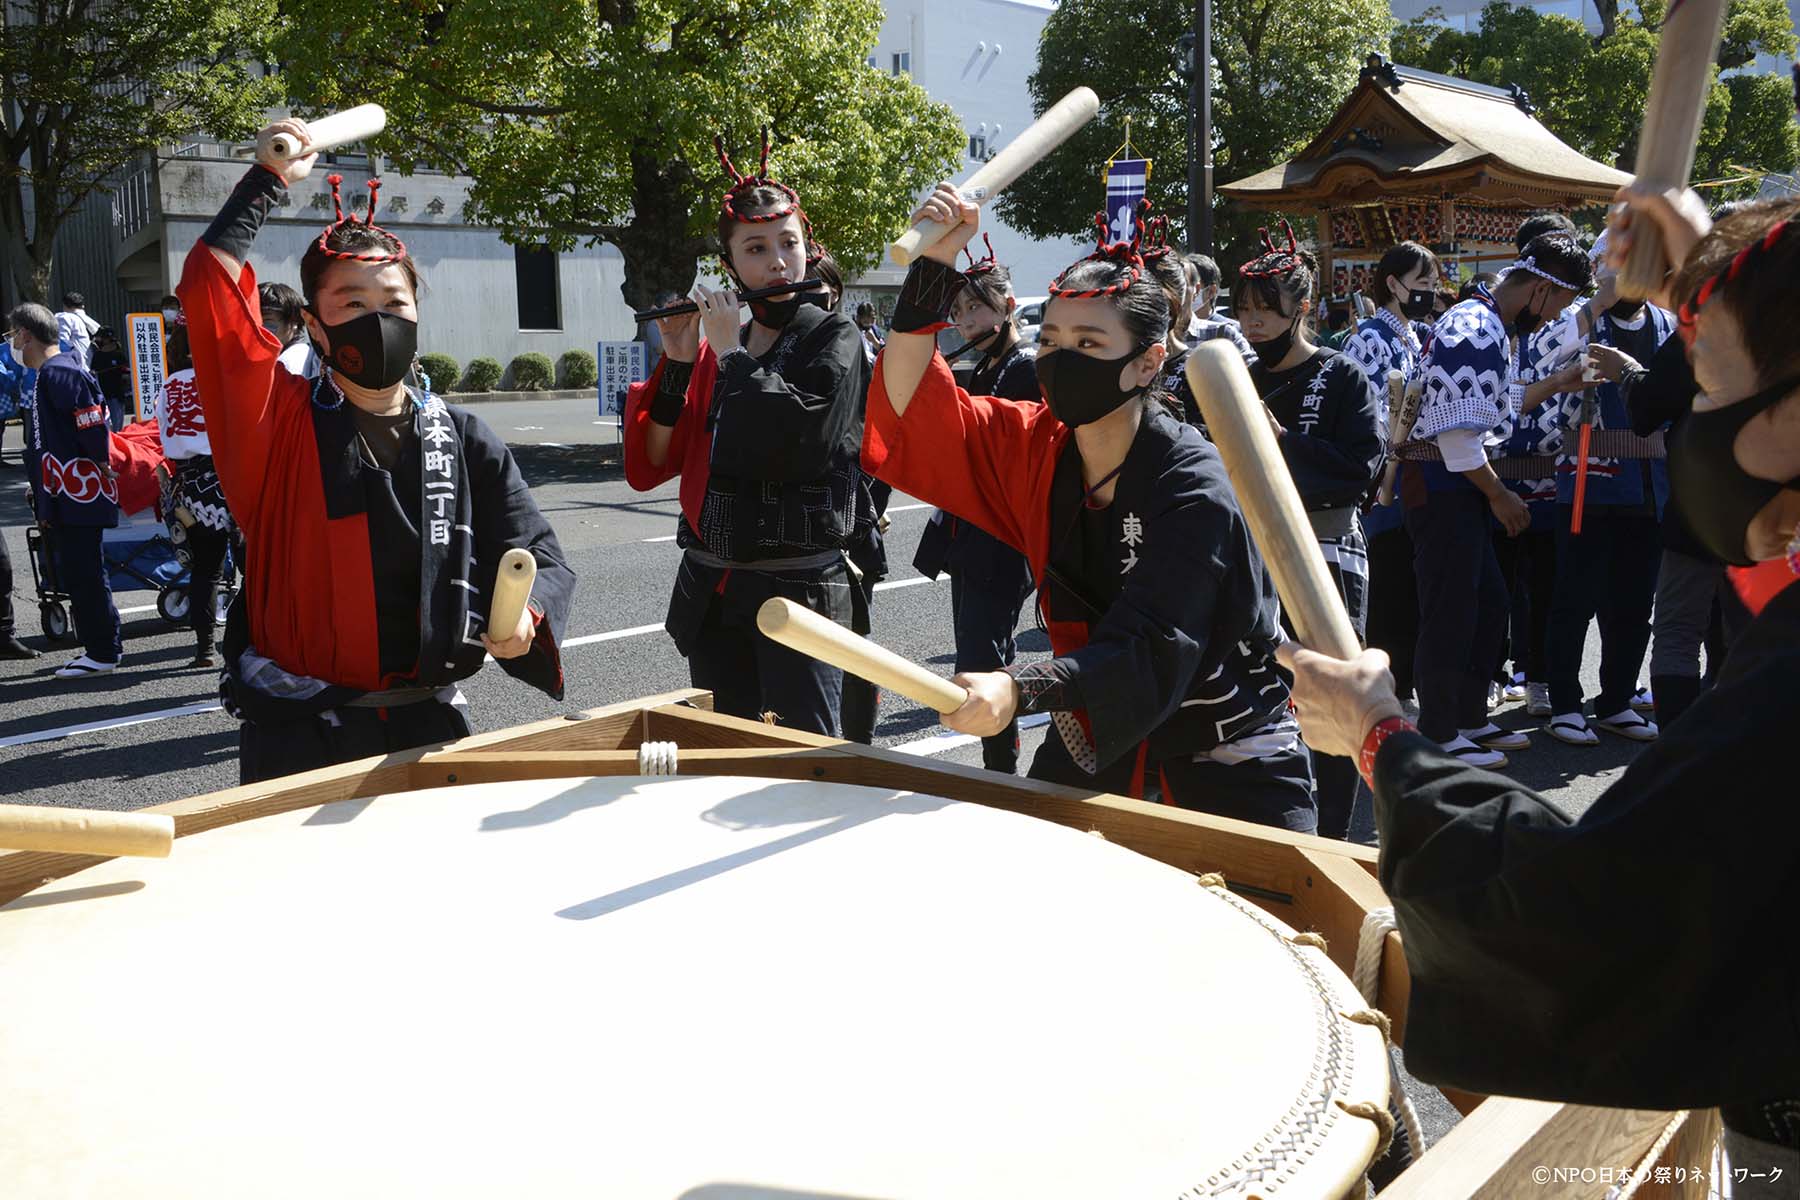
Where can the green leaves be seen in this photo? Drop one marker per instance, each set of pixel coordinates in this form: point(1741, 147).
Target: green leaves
point(1281, 68)
point(581, 122)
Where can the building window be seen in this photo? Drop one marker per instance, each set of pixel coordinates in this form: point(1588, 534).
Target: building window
point(978, 147)
point(539, 297)
point(871, 62)
point(903, 63)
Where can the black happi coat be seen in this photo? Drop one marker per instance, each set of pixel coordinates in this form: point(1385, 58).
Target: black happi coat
point(1332, 443)
point(1640, 957)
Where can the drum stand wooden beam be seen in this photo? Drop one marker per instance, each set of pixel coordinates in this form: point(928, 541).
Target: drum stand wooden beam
point(1311, 883)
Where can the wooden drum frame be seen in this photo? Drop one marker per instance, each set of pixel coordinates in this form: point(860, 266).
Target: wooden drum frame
point(1324, 887)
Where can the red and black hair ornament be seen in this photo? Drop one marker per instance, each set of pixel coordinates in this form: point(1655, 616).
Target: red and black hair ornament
point(984, 264)
point(368, 222)
point(1156, 237)
point(1128, 254)
point(1689, 314)
point(1274, 262)
point(742, 184)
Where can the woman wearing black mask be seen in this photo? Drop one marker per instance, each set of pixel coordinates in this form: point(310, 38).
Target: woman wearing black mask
point(1405, 286)
point(761, 422)
point(375, 515)
point(1326, 418)
point(989, 580)
point(1161, 616)
point(1519, 923)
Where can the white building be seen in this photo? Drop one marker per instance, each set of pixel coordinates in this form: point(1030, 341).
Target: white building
point(975, 56)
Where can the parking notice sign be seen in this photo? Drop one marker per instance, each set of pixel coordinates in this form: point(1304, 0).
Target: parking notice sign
point(621, 365)
point(149, 367)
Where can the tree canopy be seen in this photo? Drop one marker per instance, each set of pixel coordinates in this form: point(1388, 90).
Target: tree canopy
point(592, 122)
point(1590, 91)
point(89, 85)
point(1280, 69)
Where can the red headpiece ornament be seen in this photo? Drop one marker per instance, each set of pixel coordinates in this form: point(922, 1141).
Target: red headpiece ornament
point(742, 184)
point(1274, 262)
point(1690, 311)
point(365, 256)
point(984, 264)
point(1156, 238)
point(1129, 253)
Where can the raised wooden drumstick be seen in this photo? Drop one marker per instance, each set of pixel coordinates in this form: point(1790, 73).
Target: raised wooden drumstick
point(1239, 426)
point(1665, 159)
point(804, 630)
point(512, 591)
point(85, 831)
point(338, 129)
point(1024, 152)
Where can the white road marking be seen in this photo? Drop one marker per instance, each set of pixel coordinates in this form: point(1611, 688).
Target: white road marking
point(895, 509)
point(942, 743)
point(143, 718)
point(188, 710)
point(525, 428)
point(554, 445)
point(136, 609)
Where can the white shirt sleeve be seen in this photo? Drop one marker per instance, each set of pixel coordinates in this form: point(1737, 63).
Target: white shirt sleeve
point(1462, 449)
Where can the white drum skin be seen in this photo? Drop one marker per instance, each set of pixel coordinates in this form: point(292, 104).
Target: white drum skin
point(699, 987)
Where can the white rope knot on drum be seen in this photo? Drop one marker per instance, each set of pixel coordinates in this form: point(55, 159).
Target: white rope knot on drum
point(657, 758)
point(1371, 941)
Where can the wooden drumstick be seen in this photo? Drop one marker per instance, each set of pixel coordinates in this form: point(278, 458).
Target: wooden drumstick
point(804, 630)
point(85, 831)
point(512, 590)
point(1665, 159)
point(1396, 407)
point(1239, 426)
point(339, 129)
point(1044, 135)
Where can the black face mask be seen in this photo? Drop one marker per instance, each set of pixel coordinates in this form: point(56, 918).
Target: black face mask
point(777, 312)
point(1715, 496)
point(374, 350)
point(1625, 310)
point(1526, 322)
point(1080, 388)
point(1276, 348)
point(1418, 306)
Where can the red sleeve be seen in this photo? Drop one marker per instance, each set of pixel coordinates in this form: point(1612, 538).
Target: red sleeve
point(989, 461)
point(235, 368)
point(640, 472)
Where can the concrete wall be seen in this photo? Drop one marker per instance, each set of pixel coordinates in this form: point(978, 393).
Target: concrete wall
point(469, 307)
point(975, 56)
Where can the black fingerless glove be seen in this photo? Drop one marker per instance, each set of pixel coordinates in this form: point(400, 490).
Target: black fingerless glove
point(925, 297)
point(234, 229)
point(1042, 688)
point(671, 392)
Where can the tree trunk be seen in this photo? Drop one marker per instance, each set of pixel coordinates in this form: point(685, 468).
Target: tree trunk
point(661, 255)
point(30, 275)
point(1608, 11)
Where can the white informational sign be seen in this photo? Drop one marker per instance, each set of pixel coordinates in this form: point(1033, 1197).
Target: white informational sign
point(148, 365)
point(621, 365)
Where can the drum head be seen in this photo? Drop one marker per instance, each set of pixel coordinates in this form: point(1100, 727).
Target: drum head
point(692, 987)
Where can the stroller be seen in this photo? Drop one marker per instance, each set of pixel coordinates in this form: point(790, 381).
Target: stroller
point(145, 552)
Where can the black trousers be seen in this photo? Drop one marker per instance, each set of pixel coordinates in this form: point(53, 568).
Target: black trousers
point(6, 591)
point(81, 568)
point(1528, 564)
point(1394, 604)
point(1462, 610)
point(748, 674)
point(271, 751)
point(984, 613)
point(206, 554)
point(1608, 572)
point(1274, 791)
point(860, 699)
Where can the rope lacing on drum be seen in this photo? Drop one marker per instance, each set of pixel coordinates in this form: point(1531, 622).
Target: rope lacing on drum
point(657, 758)
point(1371, 941)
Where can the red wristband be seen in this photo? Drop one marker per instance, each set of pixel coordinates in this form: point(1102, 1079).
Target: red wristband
point(1384, 729)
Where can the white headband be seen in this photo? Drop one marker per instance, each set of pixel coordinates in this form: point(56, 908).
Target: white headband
point(1528, 263)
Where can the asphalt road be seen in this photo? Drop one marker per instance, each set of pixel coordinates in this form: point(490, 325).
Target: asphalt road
point(150, 733)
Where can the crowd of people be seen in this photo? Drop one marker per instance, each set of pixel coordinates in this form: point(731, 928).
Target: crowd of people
point(1484, 477)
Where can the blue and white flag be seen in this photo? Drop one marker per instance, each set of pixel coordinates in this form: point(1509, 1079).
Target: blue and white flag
point(1126, 179)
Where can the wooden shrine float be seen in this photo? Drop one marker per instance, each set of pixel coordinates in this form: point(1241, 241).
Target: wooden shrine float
point(233, 986)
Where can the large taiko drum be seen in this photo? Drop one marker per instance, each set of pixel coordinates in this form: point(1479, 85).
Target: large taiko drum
point(690, 987)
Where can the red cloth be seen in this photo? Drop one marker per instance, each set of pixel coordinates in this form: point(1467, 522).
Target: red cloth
point(690, 447)
point(1762, 583)
point(310, 579)
point(135, 453)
